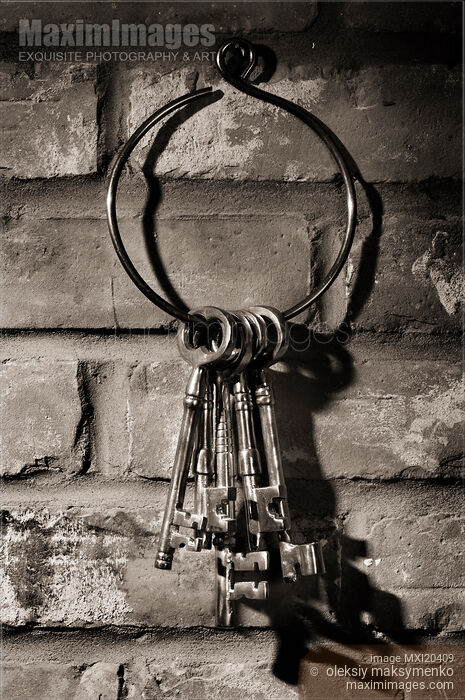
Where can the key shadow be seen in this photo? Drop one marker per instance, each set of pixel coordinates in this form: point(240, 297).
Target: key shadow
point(343, 606)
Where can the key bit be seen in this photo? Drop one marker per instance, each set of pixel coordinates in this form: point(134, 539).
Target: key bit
point(249, 589)
point(250, 561)
point(220, 503)
point(270, 503)
point(301, 560)
point(195, 521)
point(180, 541)
point(230, 590)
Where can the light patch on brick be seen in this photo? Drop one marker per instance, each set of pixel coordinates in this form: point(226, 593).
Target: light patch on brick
point(431, 416)
point(448, 280)
point(60, 570)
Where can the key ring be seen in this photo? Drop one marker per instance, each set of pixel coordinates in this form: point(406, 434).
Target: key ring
point(239, 82)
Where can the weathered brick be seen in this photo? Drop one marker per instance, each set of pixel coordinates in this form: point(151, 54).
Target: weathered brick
point(107, 388)
point(44, 419)
point(190, 679)
point(76, 567)
point(100, 680)
point(49, 121)
point(191, 664)
point(418, 283)
point(55, 681)
point(82, 566)
point(50, 681)
point(70, 275)
point(396, 418)
point(398, 124)
point(227, 19)
point(154, 407)
point(414, 552)
point(435, 611)
point(406, 277)
point(400, 555)
point(406, 17)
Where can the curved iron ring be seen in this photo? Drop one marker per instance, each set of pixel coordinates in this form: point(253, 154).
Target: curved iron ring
point(323, 132)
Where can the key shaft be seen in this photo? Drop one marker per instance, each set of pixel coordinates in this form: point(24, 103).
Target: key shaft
point(192, 401)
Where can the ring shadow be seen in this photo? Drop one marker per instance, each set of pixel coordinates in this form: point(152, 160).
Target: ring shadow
point(312, 379)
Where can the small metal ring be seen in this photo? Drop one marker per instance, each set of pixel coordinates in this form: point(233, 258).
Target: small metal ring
point(273, 351)
point(226, 351)
point(246, 342)
point(246, 47)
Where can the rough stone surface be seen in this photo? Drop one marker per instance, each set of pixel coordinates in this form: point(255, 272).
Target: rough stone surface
point(186, 681)
point(49, 121)
point(362, 418)
point(418, 283)
point(100, 680)
point(78, 565)
point(50, 681)
point(188, 664)
point(405, 276)
point(154, 406)
point(401, 419)
point(71, 277)
point(44, 418)
point(428, 17)
point(414, 552)
point(397, 124)
point(72, 567)
point(274, 16)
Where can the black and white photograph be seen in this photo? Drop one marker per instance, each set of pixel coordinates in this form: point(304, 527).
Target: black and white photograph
point(232, 308)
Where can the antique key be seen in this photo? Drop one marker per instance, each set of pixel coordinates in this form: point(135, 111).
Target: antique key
point(296, 560)
point(228, 399)
point(174, 516)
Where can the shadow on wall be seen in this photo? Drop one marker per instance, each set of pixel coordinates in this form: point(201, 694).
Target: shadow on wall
point(343, 607)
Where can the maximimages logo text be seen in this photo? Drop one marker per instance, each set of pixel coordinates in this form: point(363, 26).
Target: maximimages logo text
point(105, 41)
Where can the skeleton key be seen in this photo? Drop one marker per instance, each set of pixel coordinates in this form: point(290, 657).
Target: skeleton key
point(203, 466)
point(296, 560)
point(174, 515)
point(230, 589)
point(264, 399)
point(265, 504)
point(194, 392)
point(221, 498)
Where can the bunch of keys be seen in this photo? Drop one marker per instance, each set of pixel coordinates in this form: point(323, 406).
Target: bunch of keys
point(229, 442)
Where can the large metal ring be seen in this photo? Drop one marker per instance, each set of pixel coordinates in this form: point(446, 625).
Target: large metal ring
point(238, 81)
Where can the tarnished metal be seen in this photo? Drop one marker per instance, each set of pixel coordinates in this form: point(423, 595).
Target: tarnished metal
point(247, 51)
point(192, 400)
point(301, 560)
point(265, 403)
point(228, 399)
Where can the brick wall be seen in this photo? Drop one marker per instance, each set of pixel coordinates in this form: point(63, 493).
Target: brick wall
point(370, 419)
